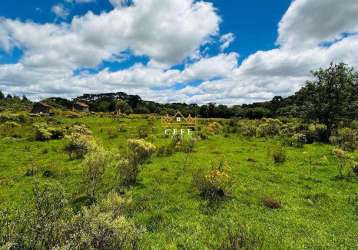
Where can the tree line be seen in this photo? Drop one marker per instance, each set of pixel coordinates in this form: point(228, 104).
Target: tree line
point(330, 97)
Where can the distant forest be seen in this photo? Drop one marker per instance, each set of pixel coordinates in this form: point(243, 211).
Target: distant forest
point(333, 90)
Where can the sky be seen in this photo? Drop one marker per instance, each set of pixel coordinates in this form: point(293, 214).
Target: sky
point(222, 51)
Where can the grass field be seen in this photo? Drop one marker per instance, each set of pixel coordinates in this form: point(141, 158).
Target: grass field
point(319, 209)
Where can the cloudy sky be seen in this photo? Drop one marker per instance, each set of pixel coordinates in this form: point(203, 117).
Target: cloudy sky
point(222, 51)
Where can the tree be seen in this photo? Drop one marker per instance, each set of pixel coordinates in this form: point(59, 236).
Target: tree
point(2, 96)
point(24, 98)
point(331, 97)
point(123, 107)
point(275, 104)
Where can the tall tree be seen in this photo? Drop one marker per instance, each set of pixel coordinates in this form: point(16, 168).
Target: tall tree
point(2, 96)
point(332, 96)
point(123, 107)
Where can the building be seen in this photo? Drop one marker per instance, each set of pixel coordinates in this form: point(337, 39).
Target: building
point(81, 107)
point(41, 108)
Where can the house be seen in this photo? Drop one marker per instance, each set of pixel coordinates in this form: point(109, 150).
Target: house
point(41, 108)
point(179, 117)
point(80, 106)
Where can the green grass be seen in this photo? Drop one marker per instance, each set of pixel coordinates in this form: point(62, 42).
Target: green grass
point(316, 213)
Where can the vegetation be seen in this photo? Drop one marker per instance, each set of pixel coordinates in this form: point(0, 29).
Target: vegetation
point(106, 181)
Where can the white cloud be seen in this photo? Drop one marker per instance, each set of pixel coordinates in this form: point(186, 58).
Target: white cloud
point(60, 11)
point(310, 22)
point(226, 41)
point(166, 31)
point(172, 32)
point(221, 65)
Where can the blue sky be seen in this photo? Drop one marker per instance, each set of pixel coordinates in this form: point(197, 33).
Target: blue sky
point(230, 51)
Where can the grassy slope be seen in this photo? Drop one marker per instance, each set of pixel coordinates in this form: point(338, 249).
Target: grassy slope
point(316, 211)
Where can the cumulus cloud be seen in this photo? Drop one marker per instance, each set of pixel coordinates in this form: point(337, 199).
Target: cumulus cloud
point(171, 32)
point(166, 31)
point(307, 23)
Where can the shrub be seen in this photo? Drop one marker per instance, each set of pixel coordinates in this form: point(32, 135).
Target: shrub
point(270, 128)
point(140, 150)
point(317, 132)
point(354, 124)
point(346, 138)
point(342, 158)
point(247, 128)
point(182, 143)
point(128, 171)
point(102, 226)
point(187, 144)
point(214, 127)
point(49, 208)
point(79, 146)
point(80, 129)
point(355, 167)
point(215, 183)
point(271, 203)
point(165, 150)
point(47, 224)
point(10, 125)
point(279, 155)
point(287, 130)
point(298, 140)
point(95, 164)
point(44, 132)
point(203, 135)
point(129, 166)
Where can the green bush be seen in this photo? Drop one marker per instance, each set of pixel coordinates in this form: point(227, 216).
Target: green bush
point(247, 128)
point(102, 226)
point(287, 130)
point(140, 150)
point(79, 129)
point(47, 224)
point(343, 159)
point(129, 166)
point(298, 140)
point(165, 150)
point(95, 164)
point(346, 138)
point(355, 168)
point(215, 183)
point(44, 133)
point(128, 171)
point(213, 128)
point(269, 128)
point(37, 225)
point(278, 155)
point(79, 145)
point(316, 132)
